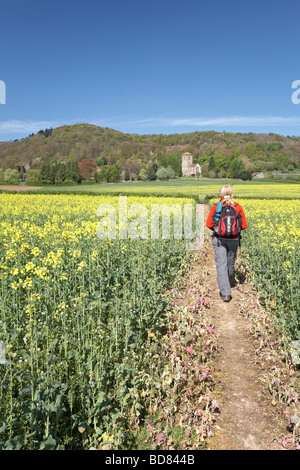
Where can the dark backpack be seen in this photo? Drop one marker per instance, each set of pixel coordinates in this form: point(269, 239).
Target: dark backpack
point(227, 223)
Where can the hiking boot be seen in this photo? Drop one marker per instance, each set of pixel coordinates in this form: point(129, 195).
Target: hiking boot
point(226, 298)
point(232, 280)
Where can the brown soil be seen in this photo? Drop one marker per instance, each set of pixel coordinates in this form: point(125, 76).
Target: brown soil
point(247, 420)
point(18, 188)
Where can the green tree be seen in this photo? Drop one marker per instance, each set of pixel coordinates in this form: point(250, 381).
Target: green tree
point(162, 160)
point(100, 161)
point(61, 172)
point(221, 161)
point(44, 173)
point(235, 167)
point(204, 169)
point(162, 173)
point(143, 174)
point(171, 172)
point(151, 173)
point(52, 174)
point(103, 174)
point(11, 176)
point(250, 150)
point(244, 175)
point(72, 171)
point(174, 161)
point(114, 173)
point(211, 163)
point(109, 174)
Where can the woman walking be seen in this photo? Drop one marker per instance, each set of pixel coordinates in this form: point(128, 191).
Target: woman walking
point(226, 218)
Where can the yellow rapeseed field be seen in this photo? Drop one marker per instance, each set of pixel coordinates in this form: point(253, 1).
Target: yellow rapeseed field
point(76, 311)
point(271, 244)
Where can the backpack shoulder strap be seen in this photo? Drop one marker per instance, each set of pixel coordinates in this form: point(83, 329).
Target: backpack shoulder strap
point(219, 207)
point(218, 210)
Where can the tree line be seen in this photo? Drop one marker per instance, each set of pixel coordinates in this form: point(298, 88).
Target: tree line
point(72, 154)
point(162, 168)
point(259, 152)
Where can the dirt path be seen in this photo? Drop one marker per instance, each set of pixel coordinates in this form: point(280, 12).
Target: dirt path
point(247, 419)
point(19, 188)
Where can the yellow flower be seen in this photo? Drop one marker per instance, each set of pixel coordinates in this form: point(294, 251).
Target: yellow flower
point(42, 272)
point(29, 266)
point(27, 283)
point(24, 246)
point(10, 254)
point(15, 285)
point(35, 251)
point(81, 266)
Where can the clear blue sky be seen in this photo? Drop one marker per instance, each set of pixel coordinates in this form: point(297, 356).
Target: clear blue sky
point(150, 66)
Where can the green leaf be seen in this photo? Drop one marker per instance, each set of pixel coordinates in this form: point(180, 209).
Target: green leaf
point(48, 444)
point(14, 444)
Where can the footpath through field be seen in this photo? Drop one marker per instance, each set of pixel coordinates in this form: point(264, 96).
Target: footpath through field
point(248, 419)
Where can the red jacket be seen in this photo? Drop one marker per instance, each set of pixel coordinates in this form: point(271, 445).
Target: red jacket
point(239, 210)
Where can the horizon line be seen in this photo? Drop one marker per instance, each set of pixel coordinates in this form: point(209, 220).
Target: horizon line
point(30, 126)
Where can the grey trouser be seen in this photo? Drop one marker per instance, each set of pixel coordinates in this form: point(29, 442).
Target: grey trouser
point(225, 255)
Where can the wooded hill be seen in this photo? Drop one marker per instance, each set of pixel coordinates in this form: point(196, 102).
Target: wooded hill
point(215, 151)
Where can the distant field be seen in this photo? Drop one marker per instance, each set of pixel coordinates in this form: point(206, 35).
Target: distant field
point(187, 187)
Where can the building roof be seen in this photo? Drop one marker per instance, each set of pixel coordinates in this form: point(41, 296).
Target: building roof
point(187, 153)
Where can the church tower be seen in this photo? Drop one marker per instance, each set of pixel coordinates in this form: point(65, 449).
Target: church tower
point(186, 162)
point(188, 167)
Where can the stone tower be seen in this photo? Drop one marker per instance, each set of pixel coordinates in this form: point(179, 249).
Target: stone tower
point(188, 167)
point(186, 162)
